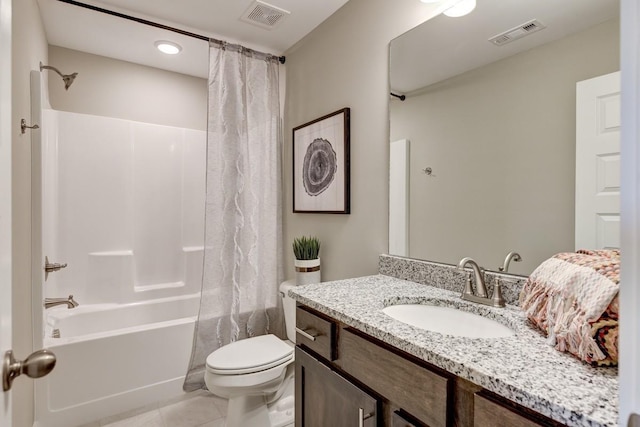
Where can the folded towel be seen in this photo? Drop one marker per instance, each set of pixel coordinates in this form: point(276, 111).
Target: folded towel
point(573, 299)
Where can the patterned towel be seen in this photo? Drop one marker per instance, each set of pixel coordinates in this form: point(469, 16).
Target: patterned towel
point(573, 299)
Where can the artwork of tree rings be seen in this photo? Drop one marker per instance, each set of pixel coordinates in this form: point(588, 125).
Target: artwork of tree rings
point(321, 165)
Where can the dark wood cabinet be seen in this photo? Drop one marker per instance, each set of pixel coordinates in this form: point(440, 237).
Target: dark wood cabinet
point(347, 378)
point(399, 419)
point(421, 392)
point(325, 398)
point(492, 411)
point(316, 332)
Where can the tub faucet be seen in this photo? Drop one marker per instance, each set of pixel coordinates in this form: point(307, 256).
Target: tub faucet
point(511, 256)
point(52, 302)
point(480, 296)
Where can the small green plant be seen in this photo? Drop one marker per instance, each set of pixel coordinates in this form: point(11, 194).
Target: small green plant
point(306, 248)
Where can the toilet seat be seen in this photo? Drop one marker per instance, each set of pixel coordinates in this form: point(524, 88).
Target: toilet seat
point(249, 356)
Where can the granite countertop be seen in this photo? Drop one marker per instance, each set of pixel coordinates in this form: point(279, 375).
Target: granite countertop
point(522, 368)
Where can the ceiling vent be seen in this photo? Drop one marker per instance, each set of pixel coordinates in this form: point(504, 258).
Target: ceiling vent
point(264, 15)
point(517, 32)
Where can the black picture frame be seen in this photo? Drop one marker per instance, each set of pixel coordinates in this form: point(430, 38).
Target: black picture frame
point(321, 165)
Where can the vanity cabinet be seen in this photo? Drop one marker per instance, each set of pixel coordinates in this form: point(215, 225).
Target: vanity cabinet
point(347, 378)
point(325, 398)
point(491, 412)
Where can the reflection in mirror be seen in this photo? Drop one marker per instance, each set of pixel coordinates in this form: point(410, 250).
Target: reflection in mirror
point(492, 129)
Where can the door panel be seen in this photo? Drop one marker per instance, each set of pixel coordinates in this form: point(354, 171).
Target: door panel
point(5, 197)
point(598, 163)
point(630, 273)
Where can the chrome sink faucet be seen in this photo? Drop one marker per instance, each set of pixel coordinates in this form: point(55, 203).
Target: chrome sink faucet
point(52, 302)
point(511, 256)
point(480, 295)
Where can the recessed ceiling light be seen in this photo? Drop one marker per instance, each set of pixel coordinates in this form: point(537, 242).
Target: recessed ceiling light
point(170, 48)
point(461, 8)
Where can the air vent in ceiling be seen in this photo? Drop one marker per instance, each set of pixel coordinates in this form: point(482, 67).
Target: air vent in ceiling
point(517, 32)
point(264, 15)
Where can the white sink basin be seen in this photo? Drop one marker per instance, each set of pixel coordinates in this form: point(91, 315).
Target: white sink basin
point(448, 321)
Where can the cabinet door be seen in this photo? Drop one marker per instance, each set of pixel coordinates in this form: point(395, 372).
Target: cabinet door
point(324, 398)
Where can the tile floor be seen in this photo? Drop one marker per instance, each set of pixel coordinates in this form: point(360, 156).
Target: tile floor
point(199, 409)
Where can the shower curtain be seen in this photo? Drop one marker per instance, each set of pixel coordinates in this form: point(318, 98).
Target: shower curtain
point(243, 226)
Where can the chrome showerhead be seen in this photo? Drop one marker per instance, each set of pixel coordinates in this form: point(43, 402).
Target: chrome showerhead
point(67, 78)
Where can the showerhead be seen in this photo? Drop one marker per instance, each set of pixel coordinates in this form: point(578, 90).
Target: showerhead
point(67, 78)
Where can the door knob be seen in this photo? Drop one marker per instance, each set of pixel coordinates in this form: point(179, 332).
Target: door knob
point(36, 365)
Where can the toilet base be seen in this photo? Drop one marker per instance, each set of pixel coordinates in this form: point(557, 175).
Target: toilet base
point(247, 411)
point(281, 412)
point(253, 411)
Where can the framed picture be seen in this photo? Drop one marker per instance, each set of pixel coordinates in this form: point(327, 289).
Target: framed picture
point(321, 165)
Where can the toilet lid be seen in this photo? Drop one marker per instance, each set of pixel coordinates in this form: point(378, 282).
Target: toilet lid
point(249, 355)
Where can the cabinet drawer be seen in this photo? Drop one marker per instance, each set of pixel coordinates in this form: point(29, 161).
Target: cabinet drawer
point(489, 413)
point(316, 333)
point(417, 390)
point(398, 420)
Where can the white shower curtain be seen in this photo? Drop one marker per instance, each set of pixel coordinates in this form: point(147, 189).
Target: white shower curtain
point(243, 231)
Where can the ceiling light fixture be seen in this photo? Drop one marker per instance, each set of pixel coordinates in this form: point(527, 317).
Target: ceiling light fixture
point(461, 8)
point(170, 48)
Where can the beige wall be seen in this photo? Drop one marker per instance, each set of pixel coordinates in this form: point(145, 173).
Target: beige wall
point(29, 47)
point(344, 63)
point(501, 142)
point(113, 88)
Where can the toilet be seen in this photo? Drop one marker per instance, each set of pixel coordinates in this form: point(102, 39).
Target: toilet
point(256, 375)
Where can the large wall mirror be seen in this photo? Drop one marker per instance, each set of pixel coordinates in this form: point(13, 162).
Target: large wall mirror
point(490, 163)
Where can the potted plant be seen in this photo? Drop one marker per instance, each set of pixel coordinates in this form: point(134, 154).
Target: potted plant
point(307, 262)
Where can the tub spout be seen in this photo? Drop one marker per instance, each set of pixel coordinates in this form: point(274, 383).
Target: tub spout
point(52, 302)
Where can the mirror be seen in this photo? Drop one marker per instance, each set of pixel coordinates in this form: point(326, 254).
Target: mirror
point(490, 163)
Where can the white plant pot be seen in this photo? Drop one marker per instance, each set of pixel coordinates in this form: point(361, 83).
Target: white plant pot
point(307, 271)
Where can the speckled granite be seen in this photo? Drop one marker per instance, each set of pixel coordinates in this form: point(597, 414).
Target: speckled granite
point(522, 368)
point(446, 276)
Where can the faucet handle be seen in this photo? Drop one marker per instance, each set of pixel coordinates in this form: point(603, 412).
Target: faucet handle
point(496, 298)
point(467, 287)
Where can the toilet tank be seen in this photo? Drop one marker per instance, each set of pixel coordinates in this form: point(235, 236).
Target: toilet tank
point(289, 306)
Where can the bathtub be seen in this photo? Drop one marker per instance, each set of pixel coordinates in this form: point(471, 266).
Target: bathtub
point(112, 358)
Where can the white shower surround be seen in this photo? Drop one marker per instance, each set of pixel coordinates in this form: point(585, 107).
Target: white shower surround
point(123, 205)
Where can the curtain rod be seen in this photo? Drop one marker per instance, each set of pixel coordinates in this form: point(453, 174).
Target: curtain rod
point(152, 24)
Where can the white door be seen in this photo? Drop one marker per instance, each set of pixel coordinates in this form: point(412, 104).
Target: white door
point(598, 162)
point(5, 196)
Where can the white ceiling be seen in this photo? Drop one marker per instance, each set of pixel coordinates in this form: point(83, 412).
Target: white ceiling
point(89, 31)
point(444, 47)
